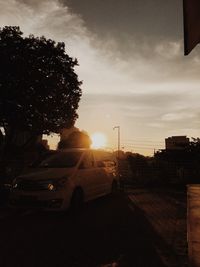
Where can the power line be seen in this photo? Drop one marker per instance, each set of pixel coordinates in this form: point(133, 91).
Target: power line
point(126, 143)
point(140, 140)
point(141, 147)
point(139, 144)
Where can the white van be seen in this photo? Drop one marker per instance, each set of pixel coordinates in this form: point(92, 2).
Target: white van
point(65, 178)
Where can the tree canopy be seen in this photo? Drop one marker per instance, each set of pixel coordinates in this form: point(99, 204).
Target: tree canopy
point(76, 139)
point(39, 89)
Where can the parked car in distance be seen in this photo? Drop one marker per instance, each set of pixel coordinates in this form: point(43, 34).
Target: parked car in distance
point(65, 178)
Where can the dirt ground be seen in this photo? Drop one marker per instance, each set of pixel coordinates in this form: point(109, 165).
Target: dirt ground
point(108, 232)
point(139, 227)
point(166, 212)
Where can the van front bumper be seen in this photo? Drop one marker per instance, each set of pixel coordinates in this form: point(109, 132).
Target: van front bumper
point(44, 200)
point(31, 202)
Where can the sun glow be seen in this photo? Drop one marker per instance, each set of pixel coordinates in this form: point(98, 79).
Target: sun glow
point(98, 140)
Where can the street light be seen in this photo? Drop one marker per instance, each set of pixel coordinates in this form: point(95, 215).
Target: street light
point(118, 127)
point(118, 172)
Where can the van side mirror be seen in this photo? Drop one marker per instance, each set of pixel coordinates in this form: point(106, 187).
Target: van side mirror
point(100, 164)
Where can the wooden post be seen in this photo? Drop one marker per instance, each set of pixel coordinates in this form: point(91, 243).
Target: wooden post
point(193, 224)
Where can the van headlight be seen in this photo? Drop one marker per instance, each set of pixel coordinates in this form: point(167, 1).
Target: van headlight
point(51, 187)
point(15, 183)
point(56, 184)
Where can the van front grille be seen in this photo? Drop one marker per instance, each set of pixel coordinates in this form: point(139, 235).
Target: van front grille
point(32, 185)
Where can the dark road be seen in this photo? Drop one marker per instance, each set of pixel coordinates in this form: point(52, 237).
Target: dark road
point(108, 232)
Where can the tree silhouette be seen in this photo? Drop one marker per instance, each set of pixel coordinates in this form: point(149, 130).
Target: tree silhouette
point(39, 89)
point(76, 139)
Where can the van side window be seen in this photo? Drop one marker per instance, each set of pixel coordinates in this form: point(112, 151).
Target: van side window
point(88, 161)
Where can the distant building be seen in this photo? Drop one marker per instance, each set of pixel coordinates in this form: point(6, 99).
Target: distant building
point(177, 142)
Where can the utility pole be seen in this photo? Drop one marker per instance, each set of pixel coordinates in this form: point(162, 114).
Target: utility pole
point(118, 154)
point(118, 142)
point(118, 127)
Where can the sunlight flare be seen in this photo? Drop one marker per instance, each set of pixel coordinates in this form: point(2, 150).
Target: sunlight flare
point(99, 140)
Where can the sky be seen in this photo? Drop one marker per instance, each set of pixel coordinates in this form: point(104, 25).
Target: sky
point(131, 61)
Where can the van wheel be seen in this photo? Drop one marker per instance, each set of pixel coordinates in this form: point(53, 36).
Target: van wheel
point(115, 188)
point(77, 200)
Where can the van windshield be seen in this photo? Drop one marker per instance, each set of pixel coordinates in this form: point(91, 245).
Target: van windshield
point(61, 160)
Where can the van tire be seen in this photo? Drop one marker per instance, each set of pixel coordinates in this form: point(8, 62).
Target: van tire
point(77, 200)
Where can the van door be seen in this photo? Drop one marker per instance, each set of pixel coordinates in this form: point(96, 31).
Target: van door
point(88, 176)
point(104, 171)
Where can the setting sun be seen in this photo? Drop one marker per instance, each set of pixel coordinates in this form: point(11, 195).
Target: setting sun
point(98, 140)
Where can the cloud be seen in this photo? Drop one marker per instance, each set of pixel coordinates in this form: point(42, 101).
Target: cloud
point(54, 20)
point(174, 117)
point(169, 50)
point(49, 18)
point(109, 64)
